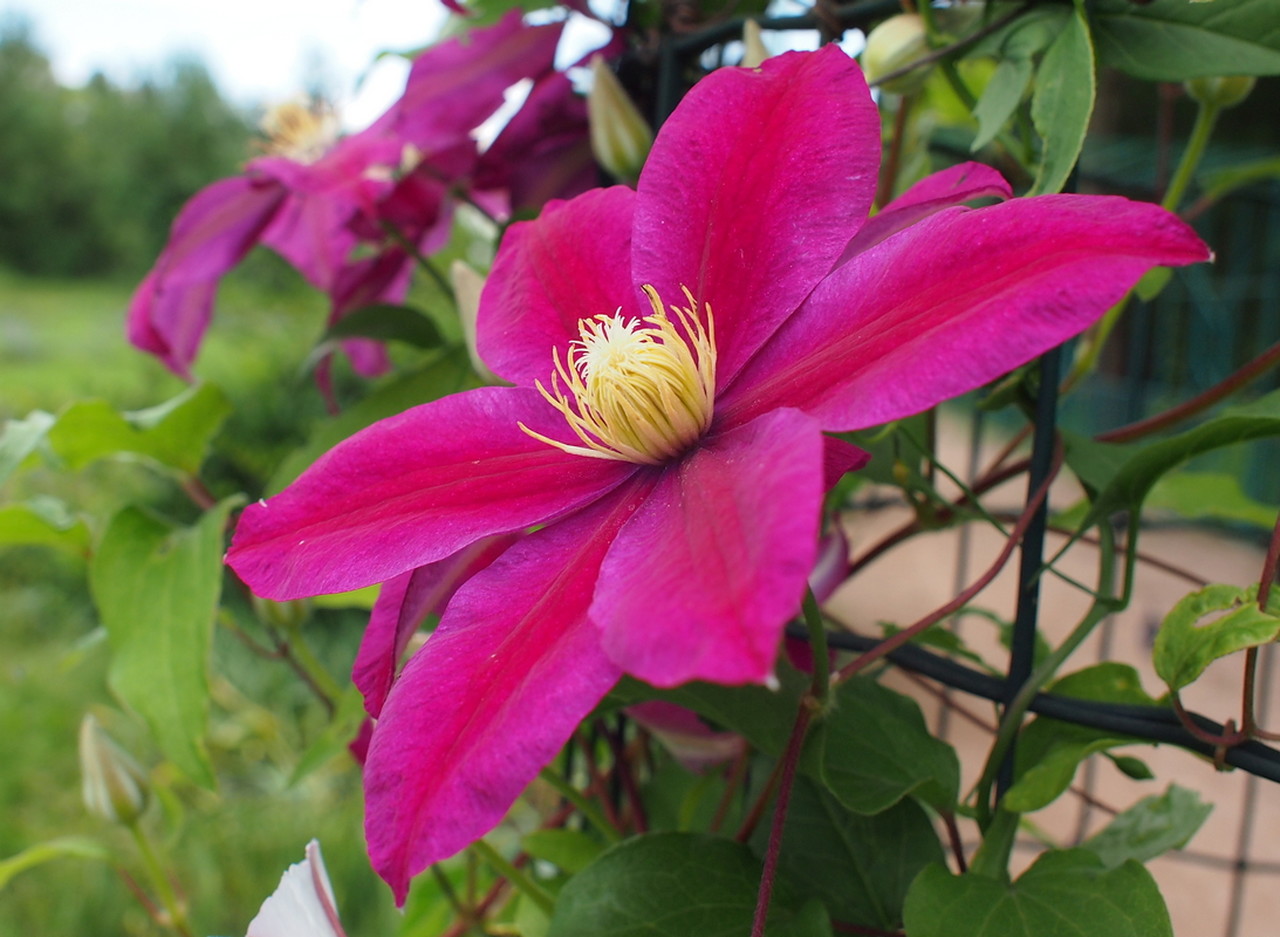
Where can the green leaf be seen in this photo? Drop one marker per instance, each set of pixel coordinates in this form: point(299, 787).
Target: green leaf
point(157, 588)
point(1062, 103)
point(1222, 182)
point(860, 867)
point(1043, 782)
point(1173, 40)
point(1209, 496)
point(77, 847)
point(1132, 767)
point(571, 850)
point(1123, 474)
point(677, 885)
point(20, 438)
point(1000, 99)
point(1184, 648)
point(45, 521)
point(763, 716)
point(1065, 893)
point(336, 736)
point(1049, 750)
point(1151, 827)
point(176, 434)
point(386, 322)
point(446, 373)
point(874, 749)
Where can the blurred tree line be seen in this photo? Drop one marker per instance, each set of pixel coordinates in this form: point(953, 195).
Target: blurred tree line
point(91, 178)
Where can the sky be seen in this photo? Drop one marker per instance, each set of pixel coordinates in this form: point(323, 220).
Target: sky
point(259, 52)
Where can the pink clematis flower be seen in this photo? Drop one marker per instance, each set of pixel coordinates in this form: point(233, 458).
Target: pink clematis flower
point(314, 200)
point(677, 353)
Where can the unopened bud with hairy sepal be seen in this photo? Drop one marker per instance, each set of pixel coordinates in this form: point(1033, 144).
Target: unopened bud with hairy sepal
point(894, 44)
point(620, 136)
point(115, 787)
point(1218, 91)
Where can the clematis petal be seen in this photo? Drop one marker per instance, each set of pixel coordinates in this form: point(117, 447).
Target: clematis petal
point(953, 186)
point(953, 302)
point(700, 583)
point(572, 263)
point(171, 308)
point(496, 691)
point(403, 604)
point(457, 84)
point(753, 187)
point(413, 489)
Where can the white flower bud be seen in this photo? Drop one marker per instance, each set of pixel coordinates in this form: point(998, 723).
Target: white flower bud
point(895, 43)
point(114, 785)
point(620, 136)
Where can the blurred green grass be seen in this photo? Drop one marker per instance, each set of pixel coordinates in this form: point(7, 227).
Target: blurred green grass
point(61, 341)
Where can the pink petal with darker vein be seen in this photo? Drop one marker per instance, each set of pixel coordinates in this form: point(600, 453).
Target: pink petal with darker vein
point(955, 301)
point(413, 489)
point(572, 263)
point(753, 187)
point(496, 691)
point(402, 606)
point(700, 583)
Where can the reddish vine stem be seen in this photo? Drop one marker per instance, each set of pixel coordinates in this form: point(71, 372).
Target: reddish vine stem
point(889, 172)
point(596, 784)
point(1270, 566)
point(790, 760)
point(1015, 537)
point(733, 779)
point(941, 516)
point(957, 844)
point(1202, 401)
point(622, 765)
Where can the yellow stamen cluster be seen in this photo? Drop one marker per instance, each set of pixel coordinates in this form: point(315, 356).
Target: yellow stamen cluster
point(637, 390)
point(300, 130)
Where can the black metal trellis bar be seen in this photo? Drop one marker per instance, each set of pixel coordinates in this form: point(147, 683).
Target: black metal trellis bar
point(1144, 723)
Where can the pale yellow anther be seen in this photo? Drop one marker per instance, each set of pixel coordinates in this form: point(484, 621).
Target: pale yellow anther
point(637, 390)
point(300, 129)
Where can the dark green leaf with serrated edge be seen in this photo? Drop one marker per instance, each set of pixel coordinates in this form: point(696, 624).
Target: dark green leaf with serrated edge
point(20, 438)
point(761, 715)
point(677, 885)
point(1123, 474)
point(859, 866)
point(570, 850)
point(1209, 496)
point(388, 323)
point(175, 434)
point(446, 373)
point(43, 521)
point(157, 588)
point(1062, 103)
point(1150, 828)
point(1184, 648)
point(874, 749)
point(1173, 40)
point(1067, 893)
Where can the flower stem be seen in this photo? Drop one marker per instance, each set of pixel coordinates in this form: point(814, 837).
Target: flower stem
point(790, 760)
point(517, 877)
point(1206, 117)
point(173, 907)
point(820, 688)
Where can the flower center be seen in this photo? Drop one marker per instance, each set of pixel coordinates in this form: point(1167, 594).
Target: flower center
point(636, 390)
point(300, 130)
